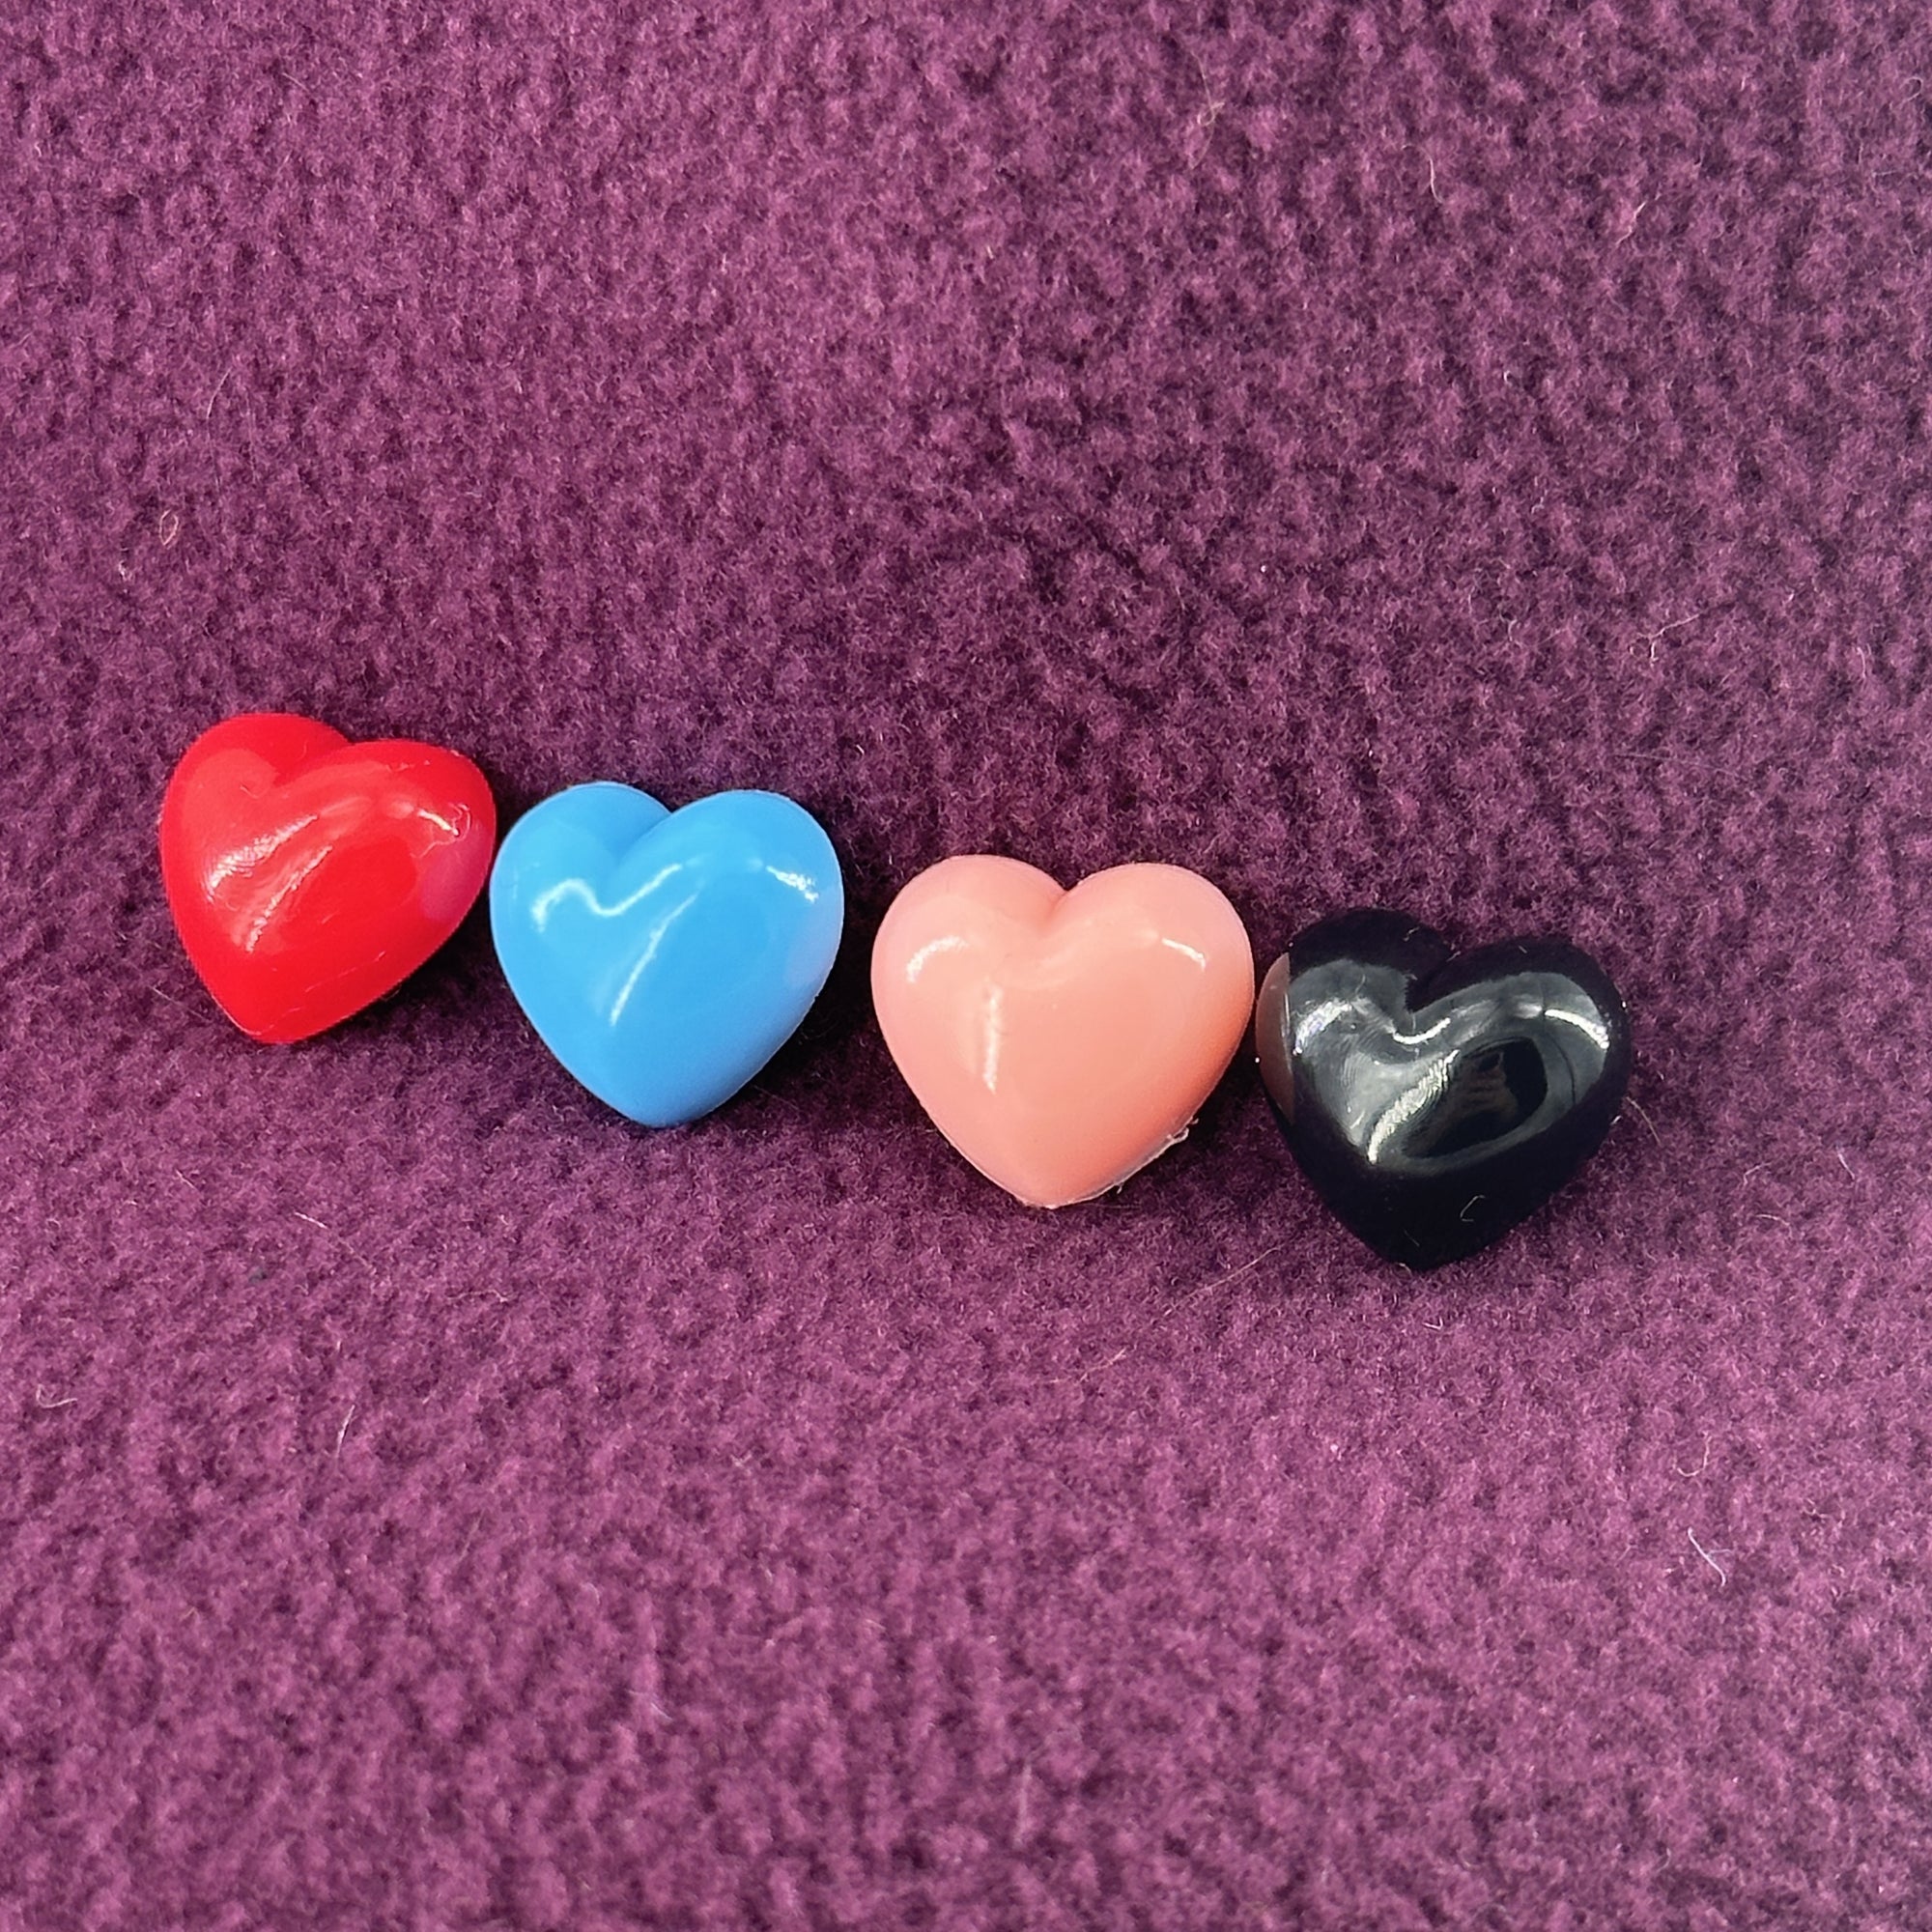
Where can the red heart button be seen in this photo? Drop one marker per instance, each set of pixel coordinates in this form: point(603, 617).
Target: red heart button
point(309, 875)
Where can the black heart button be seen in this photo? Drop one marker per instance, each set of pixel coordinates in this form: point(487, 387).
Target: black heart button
point(1434, 1099)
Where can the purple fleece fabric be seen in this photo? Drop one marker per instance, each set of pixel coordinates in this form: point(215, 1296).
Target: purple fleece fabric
point(1471, 456)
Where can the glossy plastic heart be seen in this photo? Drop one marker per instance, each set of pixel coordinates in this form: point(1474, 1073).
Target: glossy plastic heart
point(1060, 1040)
point(662, 957)
point(1434, 1101)
point(308, 876)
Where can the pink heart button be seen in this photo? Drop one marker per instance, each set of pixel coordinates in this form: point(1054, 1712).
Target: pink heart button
point(1061, 1040)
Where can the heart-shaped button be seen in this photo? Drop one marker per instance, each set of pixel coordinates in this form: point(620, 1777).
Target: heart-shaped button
point(664, 956)
point(1433, 1099)
point(1060, 1040)
point(308, 876)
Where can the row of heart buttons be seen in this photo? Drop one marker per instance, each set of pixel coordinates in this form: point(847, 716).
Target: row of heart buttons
point(1060, 1040)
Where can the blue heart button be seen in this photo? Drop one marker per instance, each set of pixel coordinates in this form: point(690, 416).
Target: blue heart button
point(664, 956)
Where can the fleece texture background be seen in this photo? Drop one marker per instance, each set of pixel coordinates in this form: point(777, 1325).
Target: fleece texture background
point(1469, 457)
